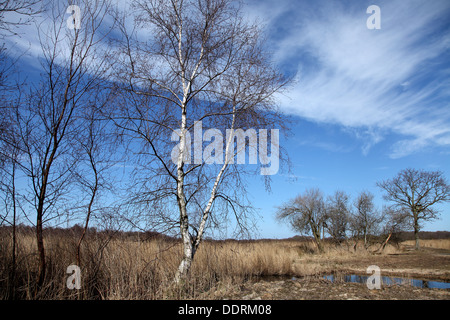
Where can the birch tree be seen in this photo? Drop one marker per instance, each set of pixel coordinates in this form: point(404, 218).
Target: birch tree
point(194, 66)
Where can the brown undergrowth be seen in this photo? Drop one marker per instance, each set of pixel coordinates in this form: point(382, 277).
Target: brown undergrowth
point(118, 267)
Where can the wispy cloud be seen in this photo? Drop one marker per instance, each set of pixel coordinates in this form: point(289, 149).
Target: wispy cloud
point(375, 82)
point(324, 145)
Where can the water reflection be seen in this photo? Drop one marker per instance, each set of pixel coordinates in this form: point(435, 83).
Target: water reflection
point(391, 281)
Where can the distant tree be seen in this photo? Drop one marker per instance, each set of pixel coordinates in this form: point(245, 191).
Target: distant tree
point(395, 221)
point(306, 213)
point(415, 192)
point(337, 214)
point(366, 218)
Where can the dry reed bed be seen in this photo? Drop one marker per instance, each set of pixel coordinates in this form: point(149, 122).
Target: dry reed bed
point(122, 268)
point(430, 243)
point(115, 267)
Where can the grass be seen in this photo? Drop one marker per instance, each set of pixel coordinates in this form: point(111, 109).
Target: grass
point(118, 267)
point(115, 267)
point(430, 243)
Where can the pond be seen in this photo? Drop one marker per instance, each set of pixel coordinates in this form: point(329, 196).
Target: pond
point(390, 281)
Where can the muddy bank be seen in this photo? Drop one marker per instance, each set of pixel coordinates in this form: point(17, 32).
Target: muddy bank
point(432, 264)
point(427, 263)
point(312, 288)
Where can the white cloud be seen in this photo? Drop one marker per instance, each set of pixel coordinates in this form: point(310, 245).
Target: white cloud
point(374, 81)
point(324, 145)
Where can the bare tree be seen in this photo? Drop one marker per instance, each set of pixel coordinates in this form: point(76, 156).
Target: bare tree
point(202, 66)
point(94, 161)
point(9, 158)
point(417, 191)
point(24, 11)
point(338, 214)
point(366, 219)
point(306, 213)
point(395, 221)
point(49, 119)
point(12, 15)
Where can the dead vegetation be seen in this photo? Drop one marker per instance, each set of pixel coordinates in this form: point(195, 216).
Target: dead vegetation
point(431, 243)
point(115, 266)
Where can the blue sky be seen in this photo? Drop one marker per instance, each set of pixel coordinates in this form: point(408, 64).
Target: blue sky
point(367, 103)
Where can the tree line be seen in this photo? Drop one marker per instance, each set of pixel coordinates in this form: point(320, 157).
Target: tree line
point(412, 195)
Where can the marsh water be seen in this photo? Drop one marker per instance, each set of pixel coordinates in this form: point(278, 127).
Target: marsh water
point(390, 281)
point(356, 278)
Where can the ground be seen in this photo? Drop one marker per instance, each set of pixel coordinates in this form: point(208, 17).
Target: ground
point(427, 263)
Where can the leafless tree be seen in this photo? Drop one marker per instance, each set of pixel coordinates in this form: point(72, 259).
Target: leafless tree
point(48, 120)
point(366, 218)
point(416, 192)
point(96, 157)
point(338, 214)
point(395, 221)
point(9, 158)
point(19, 12)
point(12, 14)
point(306, 213)
point(201, 64)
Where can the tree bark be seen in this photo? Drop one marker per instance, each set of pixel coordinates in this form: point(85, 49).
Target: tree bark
point(316, 233)
point(87, 222)
point(40, 245)
point(384, 244)
point(89, 209)
point(416, 234)
point(365, 238)
point(14, 240)
point(185, 264)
